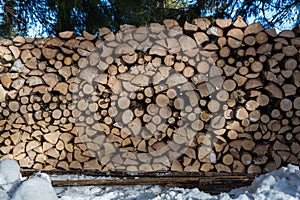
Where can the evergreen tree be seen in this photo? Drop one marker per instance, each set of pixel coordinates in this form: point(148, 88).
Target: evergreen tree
point(41, 18)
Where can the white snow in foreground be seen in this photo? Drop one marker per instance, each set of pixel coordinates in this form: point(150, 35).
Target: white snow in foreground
point(13, 186)
point(282, 184)
point(37, 187)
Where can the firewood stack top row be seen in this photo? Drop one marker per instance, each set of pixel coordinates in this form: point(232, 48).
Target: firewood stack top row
point(205, 97)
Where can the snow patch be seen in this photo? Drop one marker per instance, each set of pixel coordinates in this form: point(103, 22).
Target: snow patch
point(13, 186)
point(9, 174)
point(279, 184)
point(35, 188)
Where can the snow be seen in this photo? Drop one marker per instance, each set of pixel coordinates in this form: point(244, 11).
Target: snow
point(140, 192)
point(13, 186)
point(9, 175)
point(281, 184)
point(35, 188)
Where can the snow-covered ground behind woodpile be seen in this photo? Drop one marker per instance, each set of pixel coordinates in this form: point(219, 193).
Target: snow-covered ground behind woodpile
point(282, 184)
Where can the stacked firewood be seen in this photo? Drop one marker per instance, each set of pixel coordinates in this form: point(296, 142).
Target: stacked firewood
point(218, 97)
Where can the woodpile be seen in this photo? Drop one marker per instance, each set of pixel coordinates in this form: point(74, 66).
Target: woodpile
point(220, 97)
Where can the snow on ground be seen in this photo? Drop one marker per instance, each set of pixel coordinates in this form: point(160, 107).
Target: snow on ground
point(282, 184)
point(37, 187)
point(140, 192)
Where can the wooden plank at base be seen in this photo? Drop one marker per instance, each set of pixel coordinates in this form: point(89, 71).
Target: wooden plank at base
point(213, 183)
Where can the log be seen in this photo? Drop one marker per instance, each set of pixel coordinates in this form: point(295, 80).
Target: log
point(223, 23)
point(202, 23)
point(200, 38)
point(236, 34)
point(234, 43)
point(162, 100)
point(66, 34)
point(253, 28)
point(256, 66)
point(227, 159)
point(261, 37)
point(190, 27)
point(239, 23)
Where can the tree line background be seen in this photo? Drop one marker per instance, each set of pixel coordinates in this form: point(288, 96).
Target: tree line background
point(41, 18)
